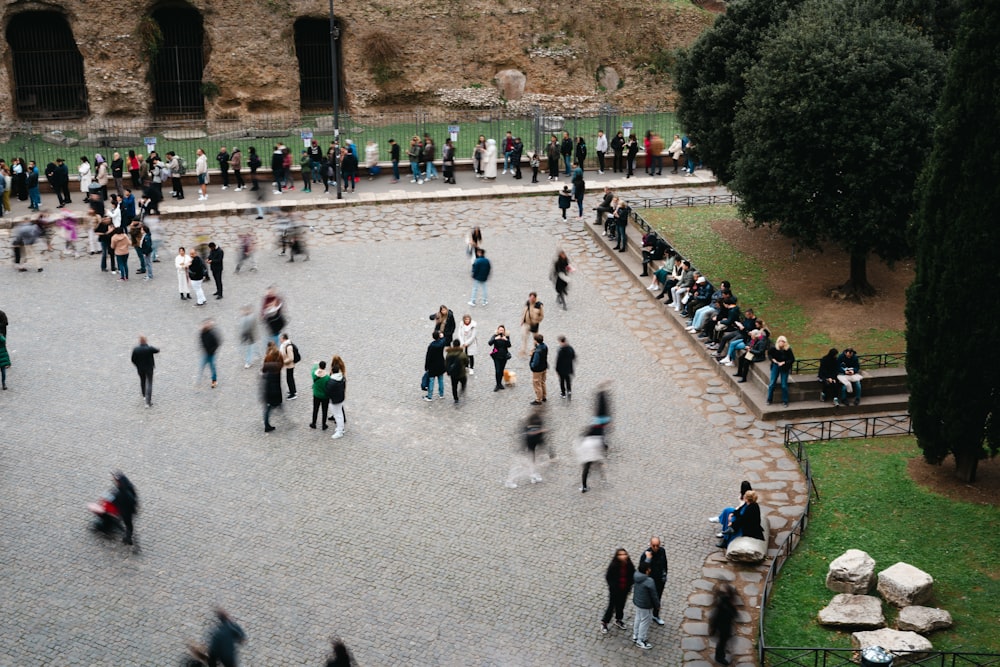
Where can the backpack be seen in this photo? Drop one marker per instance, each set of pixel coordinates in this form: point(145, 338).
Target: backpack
point(182, 166)
point(254, 161)
point(454, 366)
point(335, 390)
point(296, 357)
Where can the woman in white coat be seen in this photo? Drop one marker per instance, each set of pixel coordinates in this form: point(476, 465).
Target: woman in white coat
point(86, 177)
point(182, 262)
point(467, 339)
point(490, 159)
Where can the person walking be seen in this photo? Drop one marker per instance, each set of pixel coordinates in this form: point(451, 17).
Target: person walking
point(531, 318)
point(434, 365)
point(215, 257)
point(539, 365)
point(467, 339)
point(223, 640)
point(565, 358)
point(248, 334)
point(500, 352)
point(455, 363)
point(319, 379)
point(4, 358)
point(620, 576)
point(560, 272)
point(336, 391)
point(272, 312)
point(721, 619)
point(289, 357)
point(146, 249)
point(590, 449)
point(182, 262)
point(210, 342)
point(565, 200)
point(196, 274)
point(481, 268)
point(534, 437)
point(656, 558)
point(143, 359)
point(643, 597)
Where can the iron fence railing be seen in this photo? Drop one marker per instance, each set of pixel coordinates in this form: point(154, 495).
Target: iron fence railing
point(867, 361)
point(841, 429)
point(842, 657)
point(69, 139)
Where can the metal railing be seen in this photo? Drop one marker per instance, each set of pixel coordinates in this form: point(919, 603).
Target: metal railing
point(842, 657)
point(690, 200)
point(842, 429)
point(867, 361)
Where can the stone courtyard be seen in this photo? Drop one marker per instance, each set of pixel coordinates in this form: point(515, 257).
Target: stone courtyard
point(400, 538)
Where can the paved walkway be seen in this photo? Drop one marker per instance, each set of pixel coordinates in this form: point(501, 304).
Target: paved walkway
point(400, 537)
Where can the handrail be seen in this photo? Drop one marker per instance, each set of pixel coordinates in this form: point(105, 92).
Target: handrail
point(865, 361)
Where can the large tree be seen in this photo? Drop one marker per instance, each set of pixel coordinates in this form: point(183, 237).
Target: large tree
point(710, 76)
point(952, 315)
point(834, 129)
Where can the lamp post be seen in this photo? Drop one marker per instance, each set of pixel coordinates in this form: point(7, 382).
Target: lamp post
point(334, 35)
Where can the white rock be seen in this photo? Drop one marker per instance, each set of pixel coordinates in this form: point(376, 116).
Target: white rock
point(909, 644)
point(851, 572)
point(923, 619)
point(511, 83)
point(853, 611)
point(748, 549)
point(902, 585)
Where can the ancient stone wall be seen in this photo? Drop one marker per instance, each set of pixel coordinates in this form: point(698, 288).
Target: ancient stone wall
point(564, 47)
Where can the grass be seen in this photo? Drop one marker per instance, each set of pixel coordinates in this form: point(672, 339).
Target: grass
point(690, 230)
point(877, 508)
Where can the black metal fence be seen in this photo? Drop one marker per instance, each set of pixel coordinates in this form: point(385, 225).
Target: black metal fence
point(866, 361)
point(842, 657)
point(840, 429)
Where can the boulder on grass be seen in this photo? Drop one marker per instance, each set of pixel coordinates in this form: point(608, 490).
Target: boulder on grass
point(903, 585)
point(923, 619)
point(852, 572)
point(853, 611)
point(906, 646)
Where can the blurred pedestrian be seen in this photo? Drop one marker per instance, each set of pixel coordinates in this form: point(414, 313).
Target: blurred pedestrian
point(526, 466)
point(210, 342)
point(531, 318)
point(272, 312)
point(246, 241)
point(4, 357)
point(481, 268)
point(271, 383)
point(248, 334)
point(590, 449)
point(223, 640)
point(340, 657)
point(560, 272)
point(620, 576)
point(721, 619)
point(143, 359)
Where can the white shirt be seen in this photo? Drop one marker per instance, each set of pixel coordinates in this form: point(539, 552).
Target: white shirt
point(602, 144)
point(201, 164)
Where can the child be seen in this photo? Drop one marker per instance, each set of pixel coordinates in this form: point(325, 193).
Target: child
point(565, 199)
point(535, 162)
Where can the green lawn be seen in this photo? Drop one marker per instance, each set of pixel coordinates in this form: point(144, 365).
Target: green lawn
point(870, 503)
point(690, 230)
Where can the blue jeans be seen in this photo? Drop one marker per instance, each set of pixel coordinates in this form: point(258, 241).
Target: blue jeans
point(415, 171)
point(699, 316)
point(142, 260)
point(777, 371)
point(506, 159)
point(156, 248)
point(476, 286)
point(35, 196)
point(395, 170)
point(430, 386)
point(348, 181)
point(315, 171)
point(567, 163)
point(248, 353)
point(122, 265)
point(843, 390)
point(432, 171)
point(207, 360)
point(148, 263)
point(734, 347)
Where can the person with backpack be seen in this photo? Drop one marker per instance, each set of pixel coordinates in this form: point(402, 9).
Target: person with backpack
point(336, 392)
point(289, 356)
point(455, 363)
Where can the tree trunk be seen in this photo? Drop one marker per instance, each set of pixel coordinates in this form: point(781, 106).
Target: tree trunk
point(965, 467)
point(857, 286)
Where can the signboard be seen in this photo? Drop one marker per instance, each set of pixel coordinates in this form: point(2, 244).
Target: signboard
point(150, 143)
point(627, 128)
point(453, 132)
point(306, 138)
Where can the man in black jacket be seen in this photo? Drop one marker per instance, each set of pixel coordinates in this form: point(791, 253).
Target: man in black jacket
point(215, 255)
point(142, 358)
point(539, 365)
point(566, 150)
point(434, 365)
point(210, 343)
point(657, 559)
point(605, 207)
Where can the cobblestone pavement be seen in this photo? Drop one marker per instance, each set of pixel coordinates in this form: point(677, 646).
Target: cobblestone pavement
point(400, 537)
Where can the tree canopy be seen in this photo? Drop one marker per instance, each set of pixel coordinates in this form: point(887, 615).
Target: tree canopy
point(954, 389)
point(710, 76)
point(834, 129)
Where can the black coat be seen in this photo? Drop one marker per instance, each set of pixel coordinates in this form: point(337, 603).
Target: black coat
point(142, 357)
point(614, 576)
point(209, 341)
point(564, 360)
point(658, 563)
point(271, 384)
point(215, 260)
point(125, 499)
point(746, 522)
point(434, 359)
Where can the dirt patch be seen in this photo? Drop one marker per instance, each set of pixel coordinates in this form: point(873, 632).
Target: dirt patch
point(942, 481)
point(807, 277)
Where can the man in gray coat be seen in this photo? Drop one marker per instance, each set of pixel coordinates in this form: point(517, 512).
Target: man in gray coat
point(644, 599)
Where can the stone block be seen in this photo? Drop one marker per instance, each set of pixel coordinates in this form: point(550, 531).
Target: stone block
point(510, 83)
point(748, 549)
point(903, 585)
point(555, 124)
point(923, 619)
point(852, 572)
point(904, 644)
point(853, 611)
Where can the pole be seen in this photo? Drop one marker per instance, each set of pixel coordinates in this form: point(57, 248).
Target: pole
point(334, 35)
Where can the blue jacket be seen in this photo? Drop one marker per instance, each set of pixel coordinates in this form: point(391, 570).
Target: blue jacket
point(481, 269)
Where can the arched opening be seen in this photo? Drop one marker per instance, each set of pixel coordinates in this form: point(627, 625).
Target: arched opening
point(312, 46)
point(48, 68)
point(179, 62)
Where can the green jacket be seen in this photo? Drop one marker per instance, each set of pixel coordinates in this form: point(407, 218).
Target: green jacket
point(306, 164)
point(319, 378)
point(4, 356)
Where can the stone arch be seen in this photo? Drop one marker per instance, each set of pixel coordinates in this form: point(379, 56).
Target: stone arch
point(179, 62)
point(312, 48)
point(48, 79)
